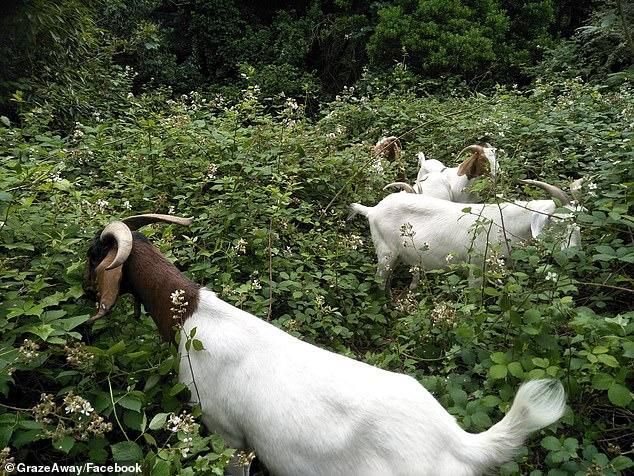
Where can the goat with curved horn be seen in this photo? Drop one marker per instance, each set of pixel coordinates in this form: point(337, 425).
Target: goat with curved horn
point(137, 221)
point(554, 192)
point(401, 185)
point(108, 258)
point(473, 148)
point(122, 235)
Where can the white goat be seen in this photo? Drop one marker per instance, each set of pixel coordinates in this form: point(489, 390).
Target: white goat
point(422, 230)
point(304, 410)
point(434, 179)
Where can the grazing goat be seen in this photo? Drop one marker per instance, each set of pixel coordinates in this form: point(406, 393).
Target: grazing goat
point(422, 231)
point(436, 180)
point(303, 409)
point(388, 147)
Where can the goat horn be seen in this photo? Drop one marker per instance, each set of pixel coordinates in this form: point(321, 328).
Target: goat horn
point(473, 147)
point(137, 221)
point(554, 192)
point(402, 185)
point(120, 232)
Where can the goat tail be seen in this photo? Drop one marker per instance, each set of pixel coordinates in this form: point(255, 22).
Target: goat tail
point(357, 208)
point(538, 403)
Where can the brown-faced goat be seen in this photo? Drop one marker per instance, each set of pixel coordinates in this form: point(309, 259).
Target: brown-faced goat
point(422, 231)
point(303, 409)
point(452, 183)
point(388, 147)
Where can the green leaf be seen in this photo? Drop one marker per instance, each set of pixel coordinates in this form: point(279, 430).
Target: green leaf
point(158, 421)
point(126, 452)
point(539, 362)
point(176, 389)
point(459, 396)
point(571, 444)
point(151, 382)
point(116, 348)
point(133, 419)
point(619, 395)
point(43, 331)
point(481, 420)
point(64, 444)
point(608, 360)
point(621, 462)
point(30, 425)
point(161, 468)
point(166, 366)
point(491, 401)
point(551, 443)
point(498, 371)
point(515, 369)
point(72, 322)
point(149, 439)
point(602, 381)
point(130, 402)
point(198, 345)
point(5, 434)
point(499, 358)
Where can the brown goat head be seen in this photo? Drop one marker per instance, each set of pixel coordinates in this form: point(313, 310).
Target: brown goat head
point(476, 165)
point(388, 147)
point(107, 256)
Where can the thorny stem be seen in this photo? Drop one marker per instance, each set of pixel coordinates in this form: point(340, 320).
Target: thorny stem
point(114, 410)
point(15, 408)
point(179, 326)
point(191, 370)
point(484, 262)
point(616, 288)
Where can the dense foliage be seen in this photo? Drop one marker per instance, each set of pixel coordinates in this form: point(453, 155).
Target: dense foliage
point(269, 193)
point(93, 126)
point(308, 49)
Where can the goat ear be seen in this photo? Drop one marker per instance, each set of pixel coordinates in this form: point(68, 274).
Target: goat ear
point(538, 223)
point(108, 282)
point(474, 166)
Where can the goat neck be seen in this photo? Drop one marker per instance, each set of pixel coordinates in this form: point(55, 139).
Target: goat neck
point(152, 279)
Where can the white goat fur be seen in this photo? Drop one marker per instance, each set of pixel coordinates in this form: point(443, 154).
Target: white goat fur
point(308, 411)
point(446, 229)
point(436, 180)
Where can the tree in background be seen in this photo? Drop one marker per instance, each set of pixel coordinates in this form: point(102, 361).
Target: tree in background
point(65, 56)
point(439, 37)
